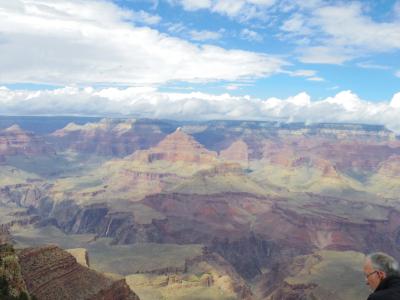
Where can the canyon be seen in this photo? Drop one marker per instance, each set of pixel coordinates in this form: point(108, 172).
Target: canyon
point(257, 203)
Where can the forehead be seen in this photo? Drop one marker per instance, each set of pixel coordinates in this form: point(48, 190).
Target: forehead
point(367, 264)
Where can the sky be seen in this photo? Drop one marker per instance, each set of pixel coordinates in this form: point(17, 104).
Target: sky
point(289, 60)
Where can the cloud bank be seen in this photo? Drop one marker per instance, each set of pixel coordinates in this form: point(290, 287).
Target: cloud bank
point(148, 102)
point(67, 42)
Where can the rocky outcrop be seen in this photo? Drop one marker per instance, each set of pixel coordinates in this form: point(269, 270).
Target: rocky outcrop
point(390, 167)
point(4, 234)
point(111, 137)
point(27, 195)
point(81, 255)
point(51, 273)
point(15, 141)
point(248, 255)
point(237, 151)
point(209, 272)
point(178, 146)
point(119, 290)
point(99, 219)
point(315, 276)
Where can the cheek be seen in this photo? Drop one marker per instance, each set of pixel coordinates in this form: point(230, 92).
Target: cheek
point(373, 282)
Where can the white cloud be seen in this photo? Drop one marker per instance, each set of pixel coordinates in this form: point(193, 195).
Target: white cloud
point(316, 78)
point(145, 18)
point(395, 103)
point(205, 35)
point(148, 102)
point(236, 86)
point(310, 75)
point(303, 73)
point(192, 5)
point(232, 87)
point(337, 32)
point(347, 25)
point(397, 74)
point(324, 55)
point(371, 65)
point(296, 24)
point(239, 9)
point(176, 27)
point(85, 42)
point(250, 35)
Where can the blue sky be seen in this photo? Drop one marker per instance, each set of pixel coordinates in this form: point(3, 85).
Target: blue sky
point(283, 58)
point(371, 73)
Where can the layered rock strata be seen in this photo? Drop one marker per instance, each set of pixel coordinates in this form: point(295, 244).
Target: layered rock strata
point(178, 146)
point(110, 137)
point(51, 273)
point(15, 141)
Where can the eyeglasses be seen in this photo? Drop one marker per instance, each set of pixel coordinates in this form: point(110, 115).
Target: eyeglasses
point(369, 274)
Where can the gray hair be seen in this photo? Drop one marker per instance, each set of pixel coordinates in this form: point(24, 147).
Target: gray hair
point(384, 262)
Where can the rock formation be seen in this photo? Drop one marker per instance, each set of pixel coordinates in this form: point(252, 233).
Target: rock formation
point(237, 151)
point(51, 273)
point(177, 147)
point(110, 137)
point(276, 199)
point(15, 141)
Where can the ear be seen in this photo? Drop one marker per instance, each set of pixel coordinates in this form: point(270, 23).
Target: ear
point(381, 275)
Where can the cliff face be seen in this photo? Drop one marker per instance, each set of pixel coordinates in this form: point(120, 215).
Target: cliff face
point(316, 276)
point(4, 234)
point(237, 151)
point(15, 141)
point(207, 276)
point(177, 146)
point(249, 232)
point(51, 273)
point(274, 193)
point(110, 137)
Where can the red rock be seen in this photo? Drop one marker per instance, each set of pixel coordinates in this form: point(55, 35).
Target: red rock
point(237, 151)
point(108, 137)
point(178, 146)
point(51, 273)
point(390, 167)
point(15, 141)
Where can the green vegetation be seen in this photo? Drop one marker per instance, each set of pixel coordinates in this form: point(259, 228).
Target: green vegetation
point(12, 285)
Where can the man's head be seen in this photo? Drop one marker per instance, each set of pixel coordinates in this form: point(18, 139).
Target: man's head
point(378, 266)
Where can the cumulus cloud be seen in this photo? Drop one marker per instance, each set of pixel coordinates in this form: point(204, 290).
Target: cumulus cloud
point(395, 103)
point(329, 32)
point(148, 102)
point(334, 33)
point(88, 42)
